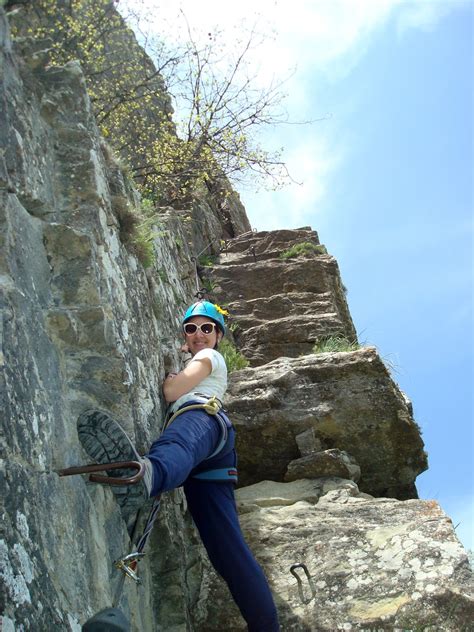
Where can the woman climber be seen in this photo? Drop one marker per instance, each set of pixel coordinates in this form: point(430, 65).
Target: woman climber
point(196, 450)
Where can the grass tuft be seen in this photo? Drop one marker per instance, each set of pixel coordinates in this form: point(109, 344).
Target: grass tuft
point(335, 343)
point(233, 358)
point(137, 228)
point(304, 249)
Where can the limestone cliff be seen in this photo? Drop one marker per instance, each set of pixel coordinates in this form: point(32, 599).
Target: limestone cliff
point(84, 324)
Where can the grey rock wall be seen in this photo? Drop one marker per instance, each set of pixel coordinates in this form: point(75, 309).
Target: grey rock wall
point(347, 400)
point(83, 324)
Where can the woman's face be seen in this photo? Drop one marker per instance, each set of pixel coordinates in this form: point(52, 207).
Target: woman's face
point(199, 340)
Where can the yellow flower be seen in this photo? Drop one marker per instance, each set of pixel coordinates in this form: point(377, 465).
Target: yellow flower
point(224, 312)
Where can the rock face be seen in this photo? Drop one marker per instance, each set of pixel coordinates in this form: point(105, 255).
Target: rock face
point(303, 294)
point(326, 463)
point(347, 400)
point(84, 325)
point(362, 563)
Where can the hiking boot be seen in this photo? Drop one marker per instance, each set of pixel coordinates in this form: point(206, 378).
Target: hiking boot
point(105, 441)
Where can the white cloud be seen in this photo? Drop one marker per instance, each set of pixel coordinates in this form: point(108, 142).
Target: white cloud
point(313, 160)
point(320, 38)
point(301, 33)
point(425, 14)
point(328, 37)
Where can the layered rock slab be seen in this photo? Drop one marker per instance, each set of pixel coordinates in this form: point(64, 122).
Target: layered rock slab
point(325, 463)
point(371, 563)
point(348, 400)
point(281, 306)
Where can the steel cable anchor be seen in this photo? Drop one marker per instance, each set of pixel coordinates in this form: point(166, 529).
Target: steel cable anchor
point(300, 583)
point(103, 467)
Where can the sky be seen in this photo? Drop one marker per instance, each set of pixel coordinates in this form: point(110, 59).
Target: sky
point(384, 175)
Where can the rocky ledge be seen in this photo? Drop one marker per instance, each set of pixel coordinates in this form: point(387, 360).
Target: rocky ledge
point(291, 410)
point(338, 559)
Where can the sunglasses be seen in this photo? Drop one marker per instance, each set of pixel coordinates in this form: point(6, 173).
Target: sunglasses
point(205, 328)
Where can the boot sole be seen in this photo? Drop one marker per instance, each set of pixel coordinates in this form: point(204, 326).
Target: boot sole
point(105, 441)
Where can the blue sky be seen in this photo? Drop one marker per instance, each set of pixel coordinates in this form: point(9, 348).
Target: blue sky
point(386, 180)
point(397, 214)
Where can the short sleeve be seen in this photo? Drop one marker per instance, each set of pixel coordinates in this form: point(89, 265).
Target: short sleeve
point(211, 354)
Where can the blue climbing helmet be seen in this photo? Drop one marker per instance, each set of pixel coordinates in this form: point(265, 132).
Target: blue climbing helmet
point(211, 311)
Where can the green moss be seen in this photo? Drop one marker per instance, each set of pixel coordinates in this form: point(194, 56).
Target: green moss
point(147, 207)
point(136, 228)
point(143, 247)
point(163, 275)
point(209, 285)
point(207, 260)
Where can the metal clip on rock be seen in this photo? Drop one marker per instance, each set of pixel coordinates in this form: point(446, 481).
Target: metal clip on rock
point(105, 467)
point(128, 565)
point(300, 583)
point(112, 619)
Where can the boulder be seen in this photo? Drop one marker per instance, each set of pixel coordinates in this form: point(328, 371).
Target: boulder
point(347, 400)
point(326, 463)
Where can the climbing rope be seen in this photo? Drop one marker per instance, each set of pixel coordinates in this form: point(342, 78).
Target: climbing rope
point(211, 406)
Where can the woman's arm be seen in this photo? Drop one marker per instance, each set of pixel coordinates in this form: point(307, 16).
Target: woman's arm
point(178, 384)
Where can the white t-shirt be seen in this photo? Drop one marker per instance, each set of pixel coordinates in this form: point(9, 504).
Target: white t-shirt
point(213, 384)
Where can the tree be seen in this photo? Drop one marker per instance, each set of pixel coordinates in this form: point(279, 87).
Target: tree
point(219, 112)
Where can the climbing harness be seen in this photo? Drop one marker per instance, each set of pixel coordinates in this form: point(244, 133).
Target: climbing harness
point(212, 406)
point(218, 475)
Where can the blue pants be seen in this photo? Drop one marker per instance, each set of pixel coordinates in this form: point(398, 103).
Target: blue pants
point(176, 456)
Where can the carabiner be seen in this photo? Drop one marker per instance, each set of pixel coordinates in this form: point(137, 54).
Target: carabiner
point(128, 565)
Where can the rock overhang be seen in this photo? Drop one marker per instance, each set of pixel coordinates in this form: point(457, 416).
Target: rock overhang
point(350, 402)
